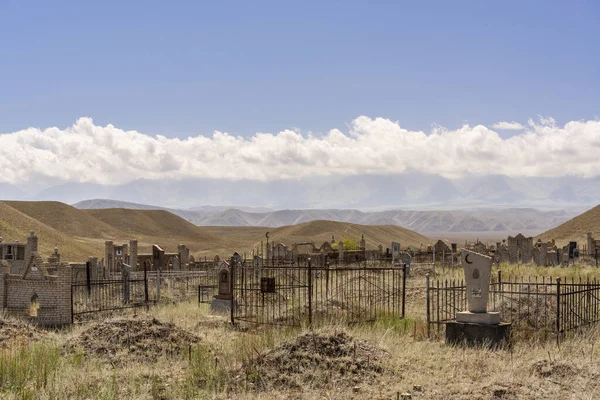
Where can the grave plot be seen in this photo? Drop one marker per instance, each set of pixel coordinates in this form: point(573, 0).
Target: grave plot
point(138, 339)
point(298, 295)
point(315, 361)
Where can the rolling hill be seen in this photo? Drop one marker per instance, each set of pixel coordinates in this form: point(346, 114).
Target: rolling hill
point(16, 225)
point(65, 219)
point(320, 231)
point(575, 229)
point(81, 233)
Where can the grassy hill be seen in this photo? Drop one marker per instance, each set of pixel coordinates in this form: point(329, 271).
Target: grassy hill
point(66, 219)
point(321, 231)
point(16, 225)
point(81, 233)
point(158, 226)
point(575, 229)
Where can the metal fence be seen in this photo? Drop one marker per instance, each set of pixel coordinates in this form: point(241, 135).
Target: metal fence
point(105, 296)
point(539, 306)
point(306, 295)
point(139, 289)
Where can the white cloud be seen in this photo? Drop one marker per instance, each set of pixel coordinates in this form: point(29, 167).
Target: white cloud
point(86, 152)
point(508, 126)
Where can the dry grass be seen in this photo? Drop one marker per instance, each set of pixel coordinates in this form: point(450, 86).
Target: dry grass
point(375, 361)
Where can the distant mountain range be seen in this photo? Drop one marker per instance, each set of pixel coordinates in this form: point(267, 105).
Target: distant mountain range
point(410, 190)
point(510, 219)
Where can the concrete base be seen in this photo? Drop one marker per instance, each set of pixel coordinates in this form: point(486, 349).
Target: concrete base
point(490, 336)
point(221, 306)
point(487, 318)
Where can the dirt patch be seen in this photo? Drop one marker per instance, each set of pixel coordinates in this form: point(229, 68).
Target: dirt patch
point(554, 369)
point(139, 339)
point(315, 361)
point(13, 332)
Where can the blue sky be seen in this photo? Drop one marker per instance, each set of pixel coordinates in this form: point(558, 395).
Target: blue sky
point(190, 68)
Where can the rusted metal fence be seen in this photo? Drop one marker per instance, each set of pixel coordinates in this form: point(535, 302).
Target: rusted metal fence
point(139, 289)
point(105, 296)
point(538, 306)
point(306, 295)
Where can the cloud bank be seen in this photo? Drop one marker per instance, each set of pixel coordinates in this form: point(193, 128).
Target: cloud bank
point(508, 126)
point(86, 152)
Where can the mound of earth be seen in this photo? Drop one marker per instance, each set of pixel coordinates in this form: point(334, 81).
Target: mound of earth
point(554, 369)
point(315, 361)
point(13, 332)
point(131, 339)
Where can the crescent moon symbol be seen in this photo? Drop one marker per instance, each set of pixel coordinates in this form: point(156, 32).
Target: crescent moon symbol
point(467, 259)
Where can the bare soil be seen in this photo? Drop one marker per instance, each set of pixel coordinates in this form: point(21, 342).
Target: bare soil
point(141, 339)
point(14, 332)
point(315, 361)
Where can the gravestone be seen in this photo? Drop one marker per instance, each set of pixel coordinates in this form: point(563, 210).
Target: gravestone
point(125, 281)
point(407, 259)
point(223, 301)
point(395, 253)
point(477, 326)
point(175, 263)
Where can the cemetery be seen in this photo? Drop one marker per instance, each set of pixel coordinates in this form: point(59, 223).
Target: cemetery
point(305, 318)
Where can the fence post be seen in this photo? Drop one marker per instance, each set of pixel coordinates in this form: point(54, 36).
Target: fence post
point(500, 280)
point(428, 305)
point(596, 258)
point(558, 311)
point(146, 287)
point(158, 283)
point(88, 278)
point(327, 281)
point(72, 314)
point(443, 260)
point(403, 289)
point(310, 292)
point(232, 290)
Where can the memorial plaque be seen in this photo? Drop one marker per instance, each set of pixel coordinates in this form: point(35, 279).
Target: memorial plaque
point(267, 285)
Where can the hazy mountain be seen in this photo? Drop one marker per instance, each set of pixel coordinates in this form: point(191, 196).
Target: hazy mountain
point(512, 219)
point(195, 217)
point(410, 190)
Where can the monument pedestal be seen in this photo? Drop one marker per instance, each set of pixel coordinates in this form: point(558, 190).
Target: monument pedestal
point(486, 318)
point(475, 334)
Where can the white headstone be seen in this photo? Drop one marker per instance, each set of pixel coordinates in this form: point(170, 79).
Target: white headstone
point(478, 272)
